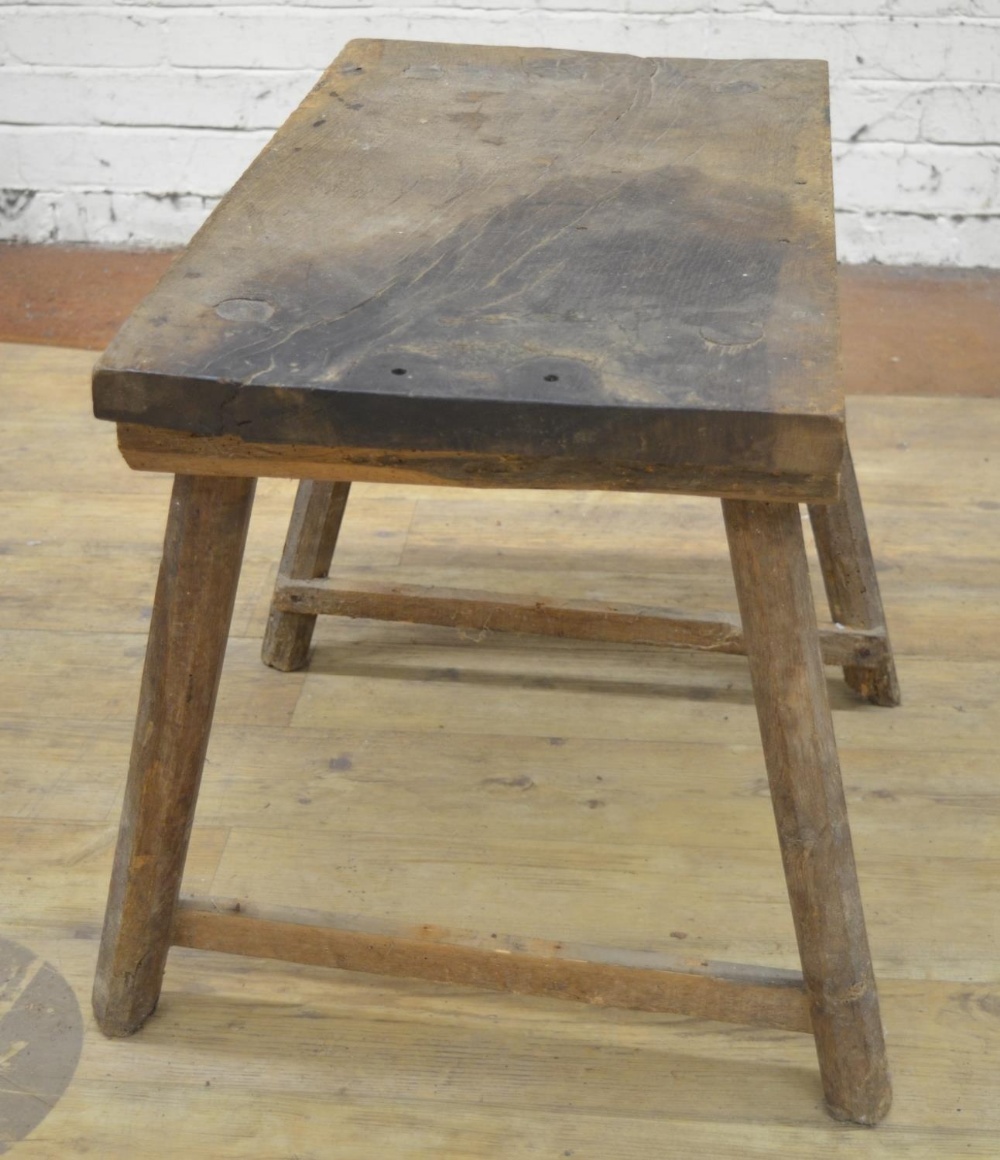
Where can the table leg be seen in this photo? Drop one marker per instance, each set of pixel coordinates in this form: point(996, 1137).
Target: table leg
point(312, 537)
point(202, 554)
point(779, 623)
point(845, 555)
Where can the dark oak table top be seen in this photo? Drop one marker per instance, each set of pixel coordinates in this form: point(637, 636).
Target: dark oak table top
point(499, 251)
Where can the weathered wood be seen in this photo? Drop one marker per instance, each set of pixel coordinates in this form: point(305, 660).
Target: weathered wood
point(772, 582)
point(309, 547)
point(616, 285)
point(579, 620)
point(158, 449)
point(202, 552)
point(845, 556)
point(642, 981)
point(345, 1066)
point(488, 253)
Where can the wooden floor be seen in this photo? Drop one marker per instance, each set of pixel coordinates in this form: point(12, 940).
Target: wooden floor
point(600, 794)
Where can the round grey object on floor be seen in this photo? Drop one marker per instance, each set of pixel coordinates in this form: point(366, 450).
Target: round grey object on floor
point(41, 1033)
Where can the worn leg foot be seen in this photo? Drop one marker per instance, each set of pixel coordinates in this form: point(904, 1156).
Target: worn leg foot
point(779, 624)
point(202, 553)
point(312, 537)
point(845, 555)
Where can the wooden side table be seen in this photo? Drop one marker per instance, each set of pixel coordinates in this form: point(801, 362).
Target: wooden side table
point(486, 267)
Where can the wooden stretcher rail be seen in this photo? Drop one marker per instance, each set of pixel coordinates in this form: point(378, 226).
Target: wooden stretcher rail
point(579, 620)
point(642, 981)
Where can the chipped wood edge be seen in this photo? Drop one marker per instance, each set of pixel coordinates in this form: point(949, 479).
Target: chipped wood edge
point(179, 452)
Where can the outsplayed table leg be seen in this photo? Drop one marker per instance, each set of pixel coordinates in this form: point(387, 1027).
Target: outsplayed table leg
point(202, 555)
point(779, 623)
point(312, 537)
point(852, 591)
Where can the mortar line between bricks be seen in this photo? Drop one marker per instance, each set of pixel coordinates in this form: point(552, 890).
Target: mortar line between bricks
point(221, 72)
point(888, 145)
point(764, 16)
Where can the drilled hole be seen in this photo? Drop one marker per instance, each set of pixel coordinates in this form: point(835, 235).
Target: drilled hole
point(399, 370)
point(552, 378)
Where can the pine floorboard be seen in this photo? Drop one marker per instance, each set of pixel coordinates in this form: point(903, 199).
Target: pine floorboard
point(597, 793)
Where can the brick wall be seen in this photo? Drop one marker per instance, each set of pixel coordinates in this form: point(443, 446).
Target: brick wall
point(122, 123)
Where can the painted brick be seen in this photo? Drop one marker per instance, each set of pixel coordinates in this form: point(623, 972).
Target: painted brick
point(105, 219)
point(295, 36)
point(127, 119)
point(888, 9)
point(933, 179)
point(963, 113)
point(213, 99)
point(918, 240)
point(80, 37)
point(942, 114)
point(163, 161)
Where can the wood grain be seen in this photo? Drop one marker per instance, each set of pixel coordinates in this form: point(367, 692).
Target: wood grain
point(800, 751)
point(202, 553)
point(726, 992)
point(494, 252)
point(845, 556)
point(425, 775)
point(906, 330)
point(159, 449)
point(582, 620)
point(309, 546)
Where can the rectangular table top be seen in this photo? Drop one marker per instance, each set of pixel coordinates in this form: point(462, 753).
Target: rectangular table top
point(517, 252)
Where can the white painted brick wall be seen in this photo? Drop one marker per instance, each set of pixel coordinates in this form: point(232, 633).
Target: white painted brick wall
point(124, 122)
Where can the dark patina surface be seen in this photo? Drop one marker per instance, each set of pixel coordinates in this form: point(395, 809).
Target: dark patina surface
point(525, 252)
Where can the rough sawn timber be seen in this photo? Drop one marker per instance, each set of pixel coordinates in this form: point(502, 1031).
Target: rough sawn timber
point(580, 620)
point(309, 546)
point(158, 449)
point(845, 556)
point(202, 552)
point(486, 252)
point(728, 992)
point(807, 795)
